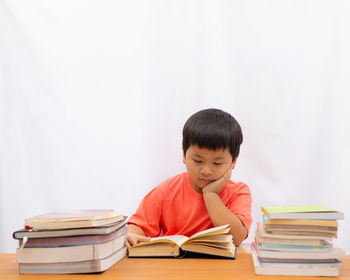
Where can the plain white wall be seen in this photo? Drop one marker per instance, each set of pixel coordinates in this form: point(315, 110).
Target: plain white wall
point(94, 94)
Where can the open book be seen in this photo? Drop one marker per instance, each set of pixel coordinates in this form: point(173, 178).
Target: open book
point(214, 241)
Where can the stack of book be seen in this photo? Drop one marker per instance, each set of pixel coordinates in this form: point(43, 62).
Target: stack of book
point(298, 241)
point(83, 241)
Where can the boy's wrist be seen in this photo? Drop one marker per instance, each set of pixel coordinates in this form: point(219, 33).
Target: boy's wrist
point(208, 193)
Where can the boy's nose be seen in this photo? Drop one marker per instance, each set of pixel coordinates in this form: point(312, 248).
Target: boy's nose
point(206, 171)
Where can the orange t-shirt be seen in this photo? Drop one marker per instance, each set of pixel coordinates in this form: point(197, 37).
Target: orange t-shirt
point(174, 207)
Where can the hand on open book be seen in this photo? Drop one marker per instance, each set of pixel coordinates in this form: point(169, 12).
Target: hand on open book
point(217, 185)
point(132, 239)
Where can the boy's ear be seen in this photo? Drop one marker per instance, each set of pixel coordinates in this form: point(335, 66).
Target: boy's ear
point(234, 163)
point(183, 157)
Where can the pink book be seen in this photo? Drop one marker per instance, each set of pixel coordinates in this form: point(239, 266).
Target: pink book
point(74, 215)
point(73, 219)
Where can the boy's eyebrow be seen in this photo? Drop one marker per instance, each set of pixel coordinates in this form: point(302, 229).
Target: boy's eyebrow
point(198, 155)
point(220, 157)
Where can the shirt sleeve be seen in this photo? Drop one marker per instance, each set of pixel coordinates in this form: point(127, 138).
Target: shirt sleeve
point(148, 214)
point(241, 205)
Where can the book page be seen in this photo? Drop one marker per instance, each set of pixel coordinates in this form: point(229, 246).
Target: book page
point(178, 239)
point(212, 231)
point(213, 238)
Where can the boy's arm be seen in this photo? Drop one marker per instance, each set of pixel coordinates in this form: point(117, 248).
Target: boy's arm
point(219, 213)
point(135, 235)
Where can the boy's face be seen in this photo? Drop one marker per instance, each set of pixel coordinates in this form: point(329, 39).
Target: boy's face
point(205, 166)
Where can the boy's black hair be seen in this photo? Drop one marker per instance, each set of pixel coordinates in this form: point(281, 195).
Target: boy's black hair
point(212, 129)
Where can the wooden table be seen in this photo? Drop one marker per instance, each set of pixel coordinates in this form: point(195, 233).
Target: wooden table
point(135, 268)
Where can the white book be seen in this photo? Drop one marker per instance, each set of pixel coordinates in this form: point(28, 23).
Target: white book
point(294, 269)
point(309, 215)
point(296, 248)
point(265, 234)
point(296, 242)
point(70, 253)
point(335, 253)
point(73, 267)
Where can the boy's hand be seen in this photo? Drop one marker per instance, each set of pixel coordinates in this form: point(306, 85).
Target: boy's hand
point(132, 239)
point(217, 185)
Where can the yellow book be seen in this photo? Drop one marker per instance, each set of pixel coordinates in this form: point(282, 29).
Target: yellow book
point(262, 236)
point(325, 223)
point(315, 212)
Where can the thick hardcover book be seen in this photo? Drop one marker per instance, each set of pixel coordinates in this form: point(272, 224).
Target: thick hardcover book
point(295, 268)
point(92, 266)
point(214, 241)
point(70, 253)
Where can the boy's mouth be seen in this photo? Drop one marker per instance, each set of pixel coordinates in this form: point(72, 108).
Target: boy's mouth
point(205, 180)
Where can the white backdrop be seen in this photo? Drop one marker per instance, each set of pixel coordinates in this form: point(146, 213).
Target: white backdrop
point(94, 94)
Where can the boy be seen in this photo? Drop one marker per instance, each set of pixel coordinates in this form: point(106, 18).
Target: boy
point(202, 197)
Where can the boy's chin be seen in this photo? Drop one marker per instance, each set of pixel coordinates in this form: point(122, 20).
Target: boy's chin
point(202, 185)
point(199, 185)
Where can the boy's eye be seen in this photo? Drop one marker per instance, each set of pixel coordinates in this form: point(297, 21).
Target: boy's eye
point(217, 163)
point(197, 161)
